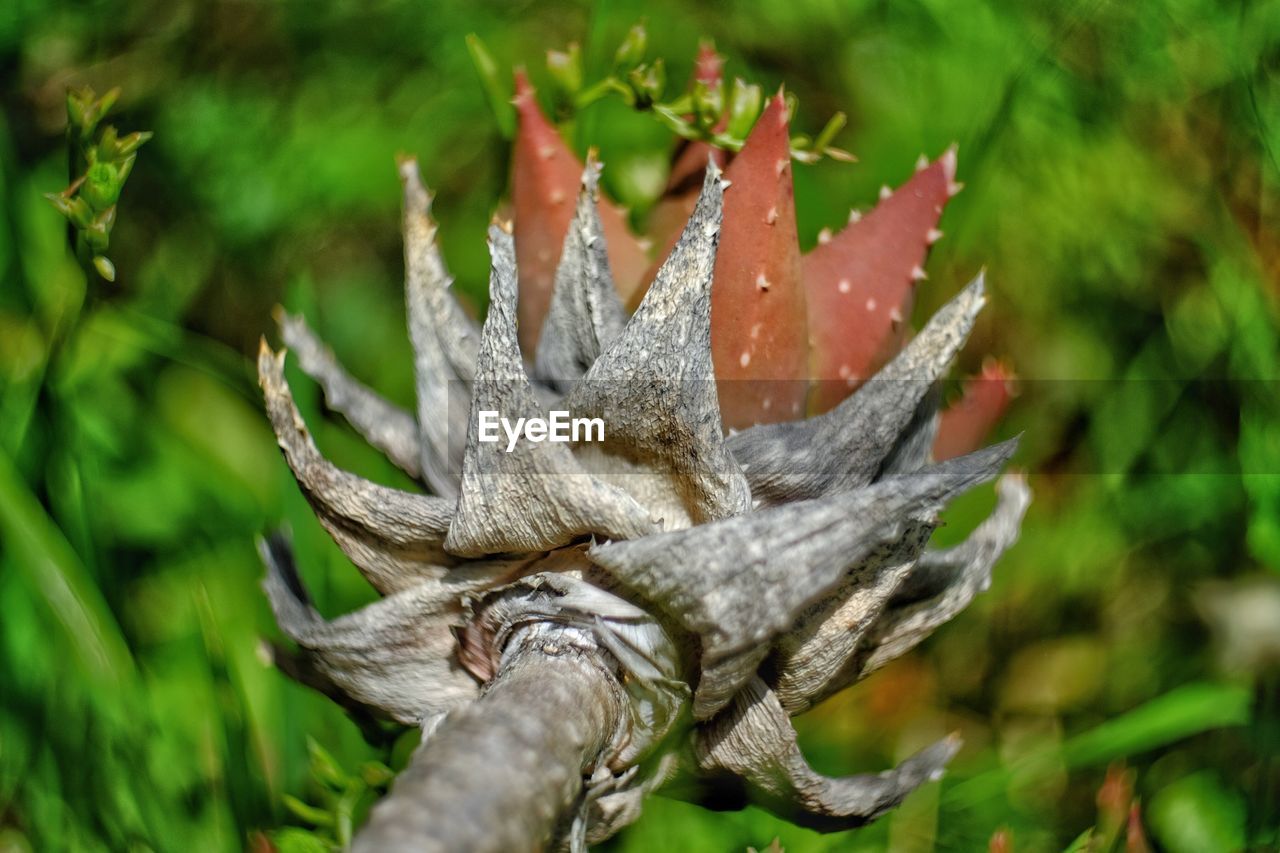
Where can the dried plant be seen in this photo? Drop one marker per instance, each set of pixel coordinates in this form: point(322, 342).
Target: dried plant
point(575, 626)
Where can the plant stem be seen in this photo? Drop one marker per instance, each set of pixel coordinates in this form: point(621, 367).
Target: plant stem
point(506, 772)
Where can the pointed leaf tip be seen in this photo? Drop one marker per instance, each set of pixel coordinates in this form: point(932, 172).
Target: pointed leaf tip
point(759, 337)
point(672, 211)
point(545, 179)
point(754, 740)
point(966, 424)
point(653, 386)
point(586, 313)
point(860, 284)
point(444, 340)
point(394, 537)
point(536, 496)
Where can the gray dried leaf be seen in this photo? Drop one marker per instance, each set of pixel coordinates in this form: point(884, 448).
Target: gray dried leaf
point(586, 313)
point(536, 497)
point(654, 385)
point(382, 423)
point(753, 739)
point(914, 448)
point(395, 538)
point(396, 655)
point(740, 582)
point(445, 342)
point(844, 448)
point(810, 657)
point(944, 582)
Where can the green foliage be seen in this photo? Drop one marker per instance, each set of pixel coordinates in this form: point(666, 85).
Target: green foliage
point(721, 113)
point(344, 801)
point(1198, 813)
point(99, 167)
point(1121, 172)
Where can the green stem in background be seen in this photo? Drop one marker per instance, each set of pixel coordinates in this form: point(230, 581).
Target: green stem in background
point(99, 163)
point(721, 114)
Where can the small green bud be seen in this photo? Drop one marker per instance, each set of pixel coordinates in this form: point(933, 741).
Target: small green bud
point(828, 134)
point(375, 774)
point(131, 143)
point(78, 104)
point(126, 166)
point(84, 112)
point(565, 68)
point(107, 141)
point(631, 51)
point(102, 185)
point(98, 111)
point(97, 235)
point(744, 108)
point(78, 212)
point(309, 813)
point(708, 103)
point(105, 268)
point(647, 82)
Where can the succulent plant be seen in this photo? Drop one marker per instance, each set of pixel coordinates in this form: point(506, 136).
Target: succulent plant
point(576, 625)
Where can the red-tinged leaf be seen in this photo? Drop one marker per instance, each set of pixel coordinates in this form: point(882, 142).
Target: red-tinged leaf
point(1001, 842)
point(1114, 797)
point(709, 66)
point(860, 284)
point(759, 339)
point(1136, 837)
point(966, 424)
point(544, 189)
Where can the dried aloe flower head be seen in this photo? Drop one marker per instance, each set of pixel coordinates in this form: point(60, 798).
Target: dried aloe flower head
point(576, 624)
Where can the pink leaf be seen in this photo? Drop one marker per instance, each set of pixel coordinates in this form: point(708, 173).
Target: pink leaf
point(759, 341)
point(860, 284)
point(966, 423)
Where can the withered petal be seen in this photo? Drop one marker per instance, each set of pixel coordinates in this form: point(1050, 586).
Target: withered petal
point(740, 582)
point(536, 497)
point(382, 423)
point(395, 538)
point(753, 739)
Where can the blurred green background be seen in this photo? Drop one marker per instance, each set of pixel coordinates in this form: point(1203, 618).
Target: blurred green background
point(1122, 190)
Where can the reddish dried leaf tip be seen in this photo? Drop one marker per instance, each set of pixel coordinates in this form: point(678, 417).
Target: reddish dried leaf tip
point(1135, 836)
point(759, 336)
point(709, 66)
point(860, 283)
point(966, 424)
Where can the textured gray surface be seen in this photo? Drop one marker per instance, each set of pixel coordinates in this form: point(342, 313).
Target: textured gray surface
point(576, 625)
point(753, 739)
point(586, 313)
point(382, 423)
point(654, 385)
point(536, 497)
point(395, 538)
point(740, 582)
point(445, 343)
